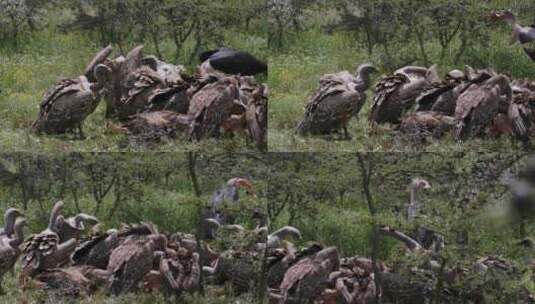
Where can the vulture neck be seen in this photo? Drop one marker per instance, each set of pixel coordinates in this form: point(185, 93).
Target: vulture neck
point(19, 235)
point(363, 80)
point(9, 221)
point(54, 216)
point(413, 201)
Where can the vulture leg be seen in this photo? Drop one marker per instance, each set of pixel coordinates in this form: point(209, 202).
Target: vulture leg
point(81, 134)
point(191, 282)
point(341, 287)
point(346, 134)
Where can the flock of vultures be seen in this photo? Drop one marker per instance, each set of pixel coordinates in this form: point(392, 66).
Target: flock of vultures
point(72, 257)
point(67, 260)
point(418, 102)
point(152, 98)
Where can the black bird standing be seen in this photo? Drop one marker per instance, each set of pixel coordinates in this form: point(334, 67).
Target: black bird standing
point(235, 62)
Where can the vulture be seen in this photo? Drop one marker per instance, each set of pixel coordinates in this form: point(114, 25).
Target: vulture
point(256, 117)
point(152, 126)
point(173, 96)
point(9, 249)
point(421, 124)
point(177, 272)
point(101, 57)
point(141, 86)
point(212, 106)
point(169, 73)
point(441, 97)
point(67, 105)
point(396, 93)
point(132, 260)
point(96, 250)
point(44, 250)
point(417, 184)
point(525, 35)
point(72, 281)
point(355, 281)
point(230, 61)
point(229, 192)
point(73, 227)
point(521, 110)
point(479, 104)
point(123, 80)
point(306, 279)
point(280, 259)
point(274, 239)
point(238, 267)
point(339, 97)
point(10, 216)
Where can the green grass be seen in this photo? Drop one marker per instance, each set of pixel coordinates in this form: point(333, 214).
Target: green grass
point(294, 75)
point(47, 56)
point(213, 295)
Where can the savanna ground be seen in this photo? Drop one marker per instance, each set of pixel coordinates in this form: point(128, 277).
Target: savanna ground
point(126, 188)
point(43, 42)
point(337, 200)
point(316, 37)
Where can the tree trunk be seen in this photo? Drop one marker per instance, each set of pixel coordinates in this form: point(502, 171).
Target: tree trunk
point(192, 163)
point(366, 173)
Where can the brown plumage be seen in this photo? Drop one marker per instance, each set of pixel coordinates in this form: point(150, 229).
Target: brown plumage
point(152, 126)
point(306, 279)
point(66, 106)
point(256, 117)
point(131, 261)
point(279, 260)
point(141, 85)
point(442, 96)
point(211, 106)
point(396, 93)
point(478, 105)
point(426, 123)
point(96, 250)
point(71, 281)
point(99, 58)
point(172, 98)
point(10, 216)
point(9, 249)
point(238, 267)
point(339, 97)
point(521, 110)
point(44, 250)
point(121, 80)
point(170, 74)
point(73, 227)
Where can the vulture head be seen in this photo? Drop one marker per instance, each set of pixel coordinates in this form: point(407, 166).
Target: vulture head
point(102, 74)
point(238, 182)
point(502, 84)
point(455, 76)
point(159, 241)
point(420, 183)
point(11, 214)
point(506, 15)
point(366, 69)
point(54, 214)
point(363, 76)
point(329, 258)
